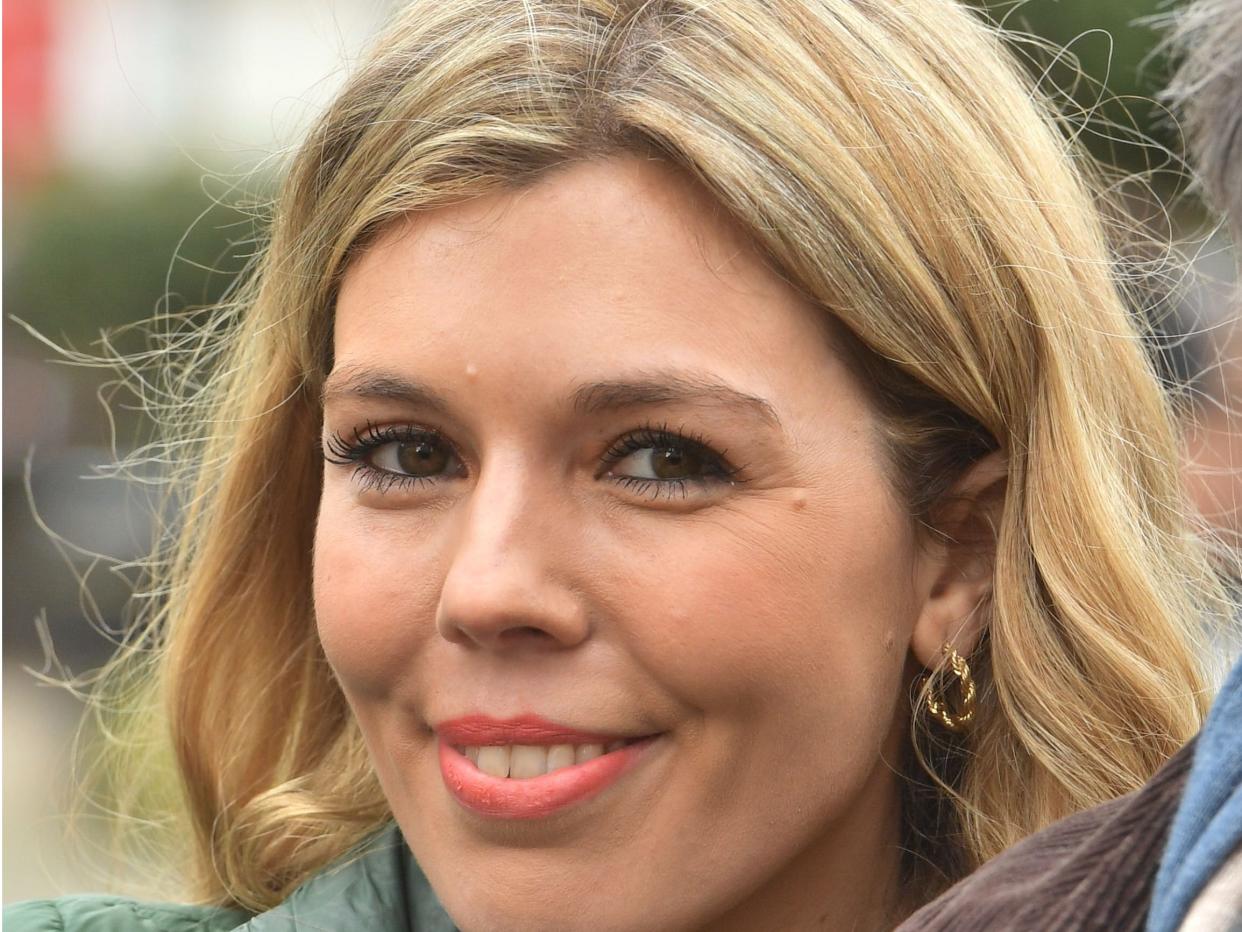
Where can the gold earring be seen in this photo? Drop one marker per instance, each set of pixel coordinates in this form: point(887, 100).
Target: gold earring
point(954, 719)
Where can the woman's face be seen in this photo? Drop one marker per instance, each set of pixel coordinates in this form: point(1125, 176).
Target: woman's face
point(603, 501)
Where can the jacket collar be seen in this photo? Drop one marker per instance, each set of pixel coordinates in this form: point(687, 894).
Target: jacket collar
point(378, 886)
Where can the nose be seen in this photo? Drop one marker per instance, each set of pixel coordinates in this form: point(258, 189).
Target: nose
point(505, 588)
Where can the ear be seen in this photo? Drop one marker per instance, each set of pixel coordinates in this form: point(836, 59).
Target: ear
point(954, 567)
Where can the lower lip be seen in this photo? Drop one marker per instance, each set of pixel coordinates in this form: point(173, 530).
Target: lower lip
point(534, 797)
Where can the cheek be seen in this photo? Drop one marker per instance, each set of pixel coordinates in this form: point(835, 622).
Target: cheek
point(795, 623)
point(375, 595)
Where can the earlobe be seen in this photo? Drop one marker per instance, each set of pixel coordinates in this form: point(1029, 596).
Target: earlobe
point(955, 624)
point(954, 573)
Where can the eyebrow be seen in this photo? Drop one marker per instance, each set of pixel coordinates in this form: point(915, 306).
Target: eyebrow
point(656, 388)
point(354, 382)
point(644, 389)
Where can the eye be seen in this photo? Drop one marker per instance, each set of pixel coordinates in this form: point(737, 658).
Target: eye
point(658, 461)
point(423, 457)
point(666, 463)
point(395, 456)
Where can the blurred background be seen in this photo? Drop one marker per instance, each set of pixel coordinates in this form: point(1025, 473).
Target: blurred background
point(138, 137)
point(132, 130)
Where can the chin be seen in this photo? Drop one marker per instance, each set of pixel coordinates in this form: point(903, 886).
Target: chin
point(494, 911)
point(543, 896)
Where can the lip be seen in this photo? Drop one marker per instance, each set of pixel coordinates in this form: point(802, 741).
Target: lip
point(480, 730)
point(532, 797)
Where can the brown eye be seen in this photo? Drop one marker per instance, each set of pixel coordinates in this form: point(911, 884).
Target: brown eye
point(423, 457)
point(666, 459)
point(419, 457)
point(671, 463)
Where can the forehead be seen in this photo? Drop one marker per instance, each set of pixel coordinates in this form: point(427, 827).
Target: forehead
point(603, 266)
point(605, 209)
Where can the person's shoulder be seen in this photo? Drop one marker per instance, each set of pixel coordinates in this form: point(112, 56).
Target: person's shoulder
point(378, 885)
point(1094, 869)
point(117, 914)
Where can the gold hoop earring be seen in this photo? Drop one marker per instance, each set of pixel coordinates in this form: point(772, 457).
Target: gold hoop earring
point(954, 719)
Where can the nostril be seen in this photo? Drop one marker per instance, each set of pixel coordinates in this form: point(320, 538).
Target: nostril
point(525, 633)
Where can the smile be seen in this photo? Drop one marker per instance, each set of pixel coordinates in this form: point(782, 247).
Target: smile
point(529, 768)
point(523, 761)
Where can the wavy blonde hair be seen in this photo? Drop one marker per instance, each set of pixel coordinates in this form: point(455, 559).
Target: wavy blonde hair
point(892, 162)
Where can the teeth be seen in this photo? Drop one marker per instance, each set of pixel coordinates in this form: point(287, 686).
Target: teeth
point(523, 761)
point(586, 752)
point(494, 761)
point(560, 755)
point(528, 761)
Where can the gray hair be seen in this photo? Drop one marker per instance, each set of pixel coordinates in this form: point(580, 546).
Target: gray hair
point(1207, 89)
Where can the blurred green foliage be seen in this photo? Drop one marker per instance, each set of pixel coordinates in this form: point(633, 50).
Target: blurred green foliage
point(1116, 44)
point(86, 254)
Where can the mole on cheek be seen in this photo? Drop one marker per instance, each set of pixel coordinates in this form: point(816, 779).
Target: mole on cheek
point(472, 371)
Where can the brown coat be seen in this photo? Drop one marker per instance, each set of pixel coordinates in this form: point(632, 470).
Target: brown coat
point(1092, 871)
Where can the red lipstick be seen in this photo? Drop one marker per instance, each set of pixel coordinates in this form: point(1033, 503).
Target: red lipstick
point(531, 797)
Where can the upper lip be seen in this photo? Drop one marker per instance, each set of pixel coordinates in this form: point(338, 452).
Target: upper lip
point(482, 730)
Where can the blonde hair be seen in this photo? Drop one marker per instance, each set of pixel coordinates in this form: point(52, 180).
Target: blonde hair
point(892, 162)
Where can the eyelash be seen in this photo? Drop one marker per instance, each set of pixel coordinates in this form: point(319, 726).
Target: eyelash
point(367, 440)
point(356, 450)
point(663, 438)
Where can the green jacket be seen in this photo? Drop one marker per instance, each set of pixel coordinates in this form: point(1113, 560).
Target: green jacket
point(380, 889)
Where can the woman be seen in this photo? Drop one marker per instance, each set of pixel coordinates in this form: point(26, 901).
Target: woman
point(634, 404)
